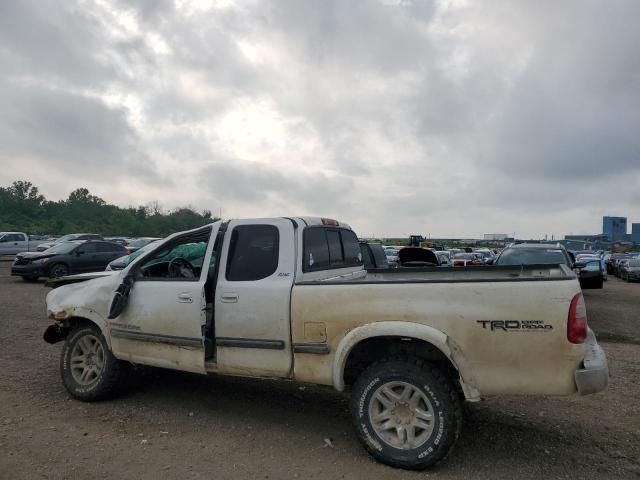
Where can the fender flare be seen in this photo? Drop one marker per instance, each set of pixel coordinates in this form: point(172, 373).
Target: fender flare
point(418, 331)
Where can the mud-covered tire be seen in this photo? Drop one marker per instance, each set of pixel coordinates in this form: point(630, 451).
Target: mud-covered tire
point(434, 391)
point(101, 383)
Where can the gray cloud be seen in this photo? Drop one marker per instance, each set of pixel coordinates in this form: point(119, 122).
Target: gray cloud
point(407, 117)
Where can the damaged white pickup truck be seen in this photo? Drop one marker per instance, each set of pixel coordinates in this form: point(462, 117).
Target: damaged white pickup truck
point(289, 298)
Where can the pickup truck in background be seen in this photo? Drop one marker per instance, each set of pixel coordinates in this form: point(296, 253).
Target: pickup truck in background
point(289, 298)
point(16, 242)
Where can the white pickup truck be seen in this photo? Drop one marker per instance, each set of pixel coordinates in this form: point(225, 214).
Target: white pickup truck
point(16, 242)
point(289, 298)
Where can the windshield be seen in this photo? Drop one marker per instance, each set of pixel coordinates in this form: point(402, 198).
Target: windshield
point(141, 242)
point(531, 256)
point(66, 238)
point(62, 247)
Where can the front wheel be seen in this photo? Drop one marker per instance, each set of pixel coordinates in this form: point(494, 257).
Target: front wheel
point(89, 370)
point(407, 413)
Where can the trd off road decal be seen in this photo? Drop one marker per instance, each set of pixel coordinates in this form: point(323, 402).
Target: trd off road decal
point(516, 325)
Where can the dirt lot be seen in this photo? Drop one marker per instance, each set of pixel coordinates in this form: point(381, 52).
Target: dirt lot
point(174, 425)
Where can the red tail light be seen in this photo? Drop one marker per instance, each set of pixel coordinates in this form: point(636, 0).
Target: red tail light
point(577, 321)
point(329, 221)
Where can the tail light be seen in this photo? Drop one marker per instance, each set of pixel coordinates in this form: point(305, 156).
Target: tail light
point(577, 321)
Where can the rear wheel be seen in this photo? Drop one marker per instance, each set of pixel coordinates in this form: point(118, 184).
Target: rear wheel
point(89, 370)
point(407, 413)
point(58, 270)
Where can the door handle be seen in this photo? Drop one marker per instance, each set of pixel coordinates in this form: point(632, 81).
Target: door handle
point(229, 298)
point(185, 298)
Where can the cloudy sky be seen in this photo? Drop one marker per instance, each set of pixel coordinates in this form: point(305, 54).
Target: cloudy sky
point(447, 118)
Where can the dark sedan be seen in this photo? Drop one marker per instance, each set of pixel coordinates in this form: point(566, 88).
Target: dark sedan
point(65, 259)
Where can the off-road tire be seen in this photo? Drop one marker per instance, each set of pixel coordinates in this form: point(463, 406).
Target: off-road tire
point(107, 383)
point(434, 384)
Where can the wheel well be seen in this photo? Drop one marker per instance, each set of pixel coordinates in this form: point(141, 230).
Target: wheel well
point(374, 349)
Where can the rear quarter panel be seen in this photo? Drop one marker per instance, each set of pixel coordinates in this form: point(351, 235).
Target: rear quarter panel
point(499, 361)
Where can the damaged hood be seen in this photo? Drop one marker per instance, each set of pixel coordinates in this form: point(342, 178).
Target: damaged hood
point(94, 295)
point(81, 277)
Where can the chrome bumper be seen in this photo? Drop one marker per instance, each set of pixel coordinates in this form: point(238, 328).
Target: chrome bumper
point(594, 375)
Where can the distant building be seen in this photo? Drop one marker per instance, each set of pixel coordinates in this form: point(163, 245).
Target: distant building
point(495, 236)
point(635, 232)
point(615, 228)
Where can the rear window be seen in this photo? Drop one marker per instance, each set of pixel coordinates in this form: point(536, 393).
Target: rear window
point(523, 256)
point(326, 248)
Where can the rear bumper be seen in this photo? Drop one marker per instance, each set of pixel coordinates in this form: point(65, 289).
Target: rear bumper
point(594, 375)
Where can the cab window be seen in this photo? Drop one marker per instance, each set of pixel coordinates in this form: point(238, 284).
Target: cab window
point(253, 253)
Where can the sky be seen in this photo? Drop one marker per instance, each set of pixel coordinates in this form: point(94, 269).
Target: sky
point(443, 118)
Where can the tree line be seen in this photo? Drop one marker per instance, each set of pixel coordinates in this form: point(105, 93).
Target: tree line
point(23, 208)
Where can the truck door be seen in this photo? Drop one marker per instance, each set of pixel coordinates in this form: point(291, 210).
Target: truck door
point(163, 320)
point(252, 298)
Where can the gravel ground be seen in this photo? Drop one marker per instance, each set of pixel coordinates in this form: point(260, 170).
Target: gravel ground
point(174, 425)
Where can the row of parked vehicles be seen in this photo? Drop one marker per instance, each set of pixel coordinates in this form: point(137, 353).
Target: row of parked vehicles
point(69, 254)
point(591, 267)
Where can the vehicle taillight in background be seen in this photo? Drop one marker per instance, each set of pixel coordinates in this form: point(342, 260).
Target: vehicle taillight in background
point(577, 321)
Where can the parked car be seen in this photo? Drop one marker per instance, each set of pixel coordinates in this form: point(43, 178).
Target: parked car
point(373, 256)
point(534, 254)
point(487, 256)
point(66, 238)
point(584, 258)
point(632, 271)
point(392, 256)
point(138, 243)
point(465, 259)
point(591, 274)
point(621, 266)
point(289, 298)
point(66, 258)
point(15, 242)
point(121, 262)
point(444, 258)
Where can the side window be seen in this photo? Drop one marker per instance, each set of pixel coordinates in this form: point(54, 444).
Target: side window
point(253, 253)
point(351, 248)
point(87, 248)
point(14, 237)
point(316, 250)
point(108, 248)
point(336, 257)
